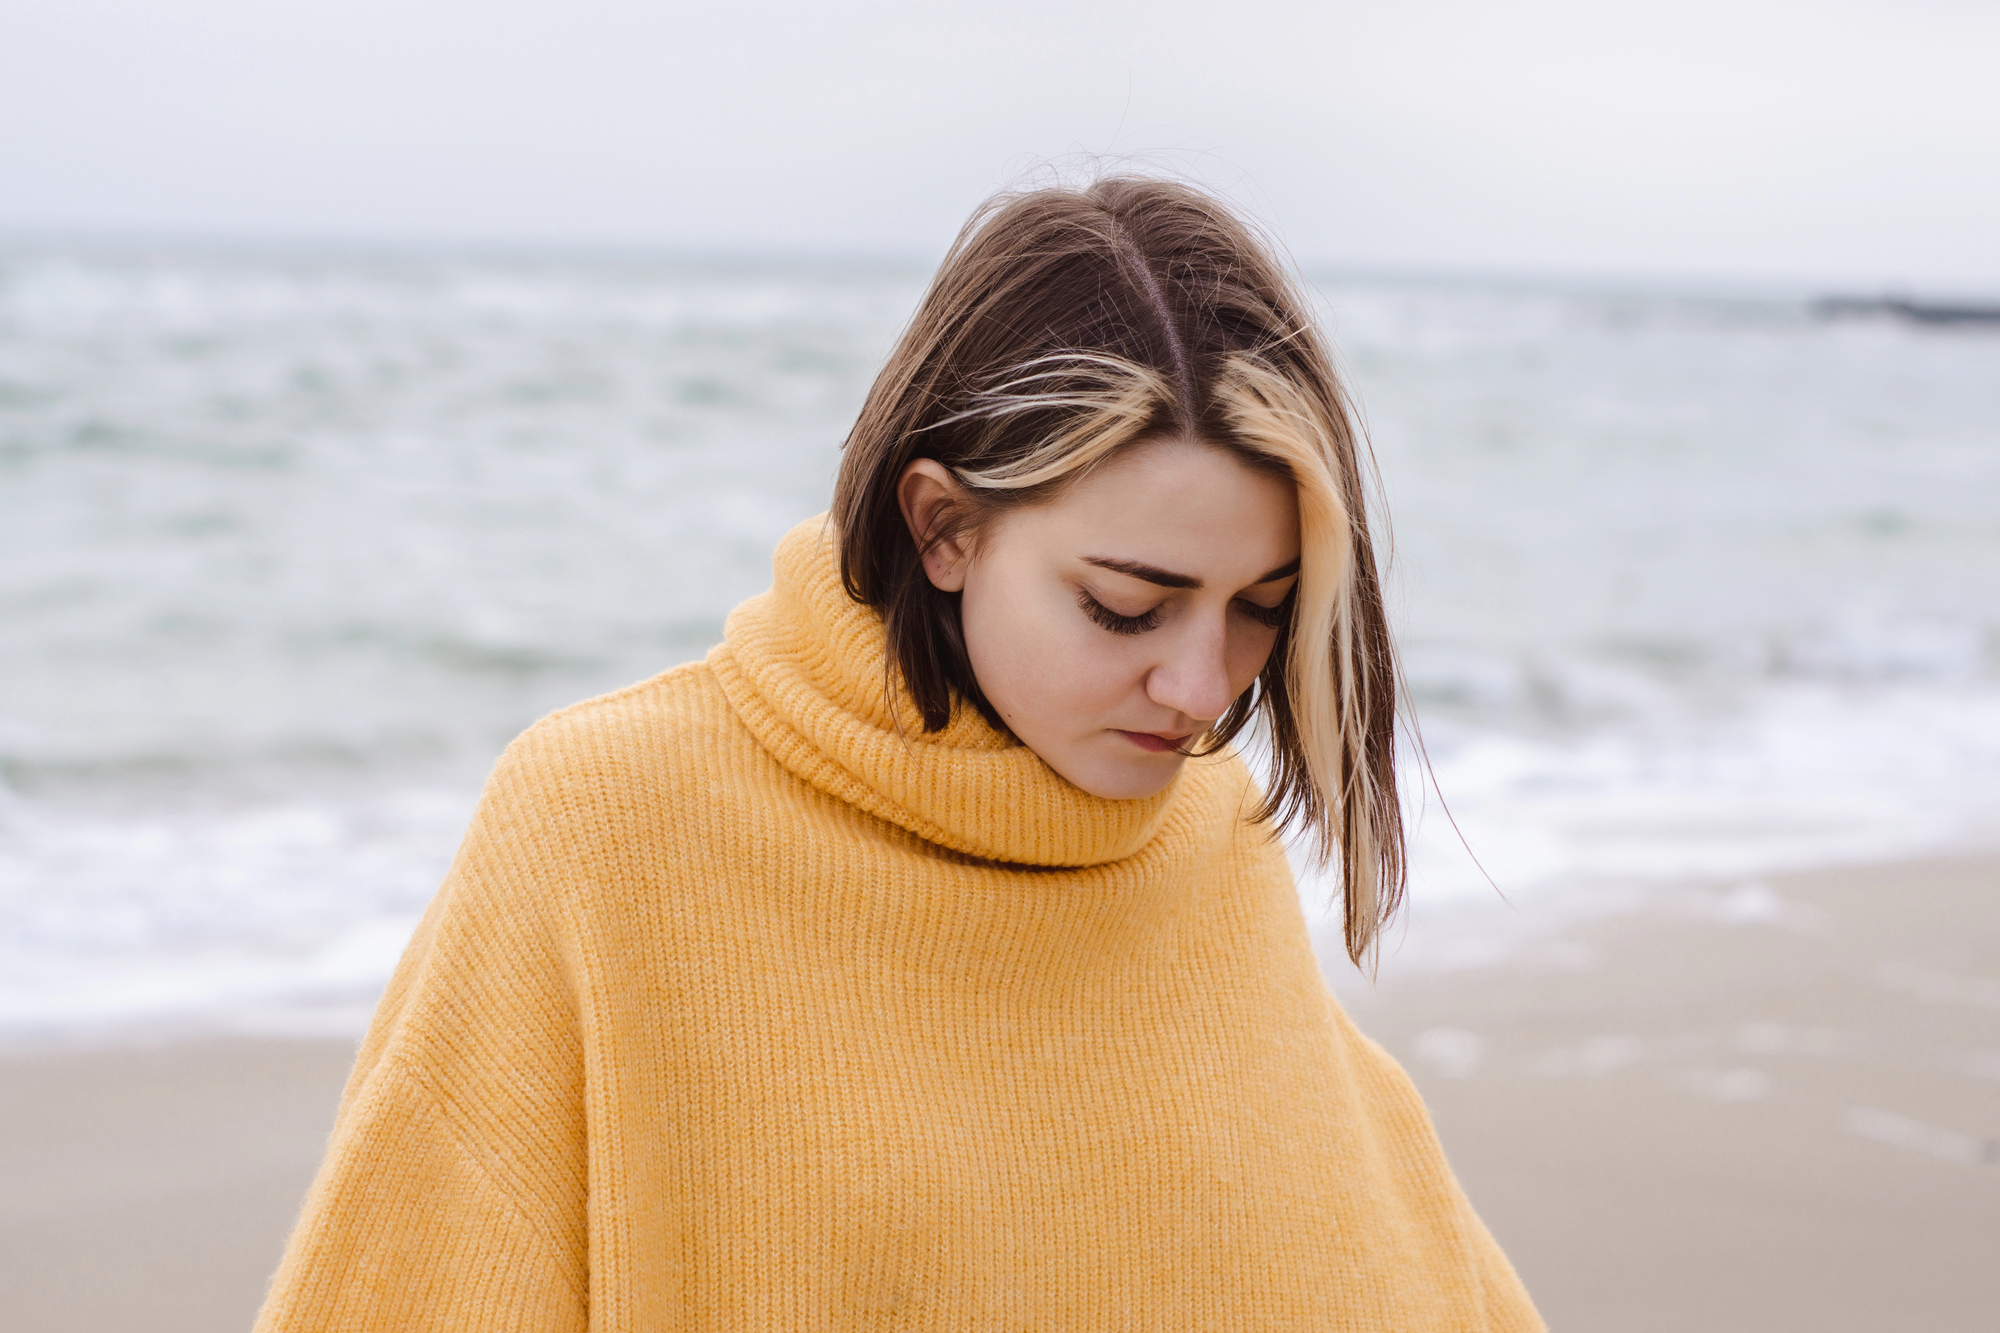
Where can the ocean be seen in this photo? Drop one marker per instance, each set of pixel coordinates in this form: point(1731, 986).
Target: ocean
point(1692, 585)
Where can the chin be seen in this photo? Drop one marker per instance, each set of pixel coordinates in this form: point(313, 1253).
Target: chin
point(1125, 781)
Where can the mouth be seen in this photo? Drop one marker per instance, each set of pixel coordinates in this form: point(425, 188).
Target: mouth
point(1154, 742)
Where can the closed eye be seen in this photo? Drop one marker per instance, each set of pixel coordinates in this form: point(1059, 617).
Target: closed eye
point(1114, 622)
point(1271, 617)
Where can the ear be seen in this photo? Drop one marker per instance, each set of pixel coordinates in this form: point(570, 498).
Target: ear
point(927, 492)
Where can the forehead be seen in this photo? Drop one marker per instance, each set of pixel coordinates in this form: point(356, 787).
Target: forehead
point(1185, 507)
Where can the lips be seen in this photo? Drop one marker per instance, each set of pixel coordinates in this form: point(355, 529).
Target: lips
point(1153, 742)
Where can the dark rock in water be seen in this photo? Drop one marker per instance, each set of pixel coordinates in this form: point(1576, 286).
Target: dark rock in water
point(1917, 312)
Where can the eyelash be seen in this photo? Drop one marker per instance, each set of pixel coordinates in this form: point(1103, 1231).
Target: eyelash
point(1114, 622)
point(1270, 617)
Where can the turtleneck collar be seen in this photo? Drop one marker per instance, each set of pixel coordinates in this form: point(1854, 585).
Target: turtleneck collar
point(803, 665)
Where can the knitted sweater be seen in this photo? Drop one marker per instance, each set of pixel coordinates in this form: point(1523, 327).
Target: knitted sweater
point(746, 1005)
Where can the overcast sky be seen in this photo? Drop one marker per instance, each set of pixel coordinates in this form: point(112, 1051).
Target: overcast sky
point(1855, 140)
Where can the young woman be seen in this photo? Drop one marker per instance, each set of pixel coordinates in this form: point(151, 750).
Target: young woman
point(924, 958)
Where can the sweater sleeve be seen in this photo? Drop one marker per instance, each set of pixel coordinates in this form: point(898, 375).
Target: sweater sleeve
point(406, 1229)
point(1424, 1196)
point(454, 1192)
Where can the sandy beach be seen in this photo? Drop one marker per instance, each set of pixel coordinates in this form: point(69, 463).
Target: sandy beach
point(1733, 1111)
point(153, 1188)
point(1736, 1112)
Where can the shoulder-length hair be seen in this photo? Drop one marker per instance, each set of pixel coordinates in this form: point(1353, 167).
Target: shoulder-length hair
point(1066, 325)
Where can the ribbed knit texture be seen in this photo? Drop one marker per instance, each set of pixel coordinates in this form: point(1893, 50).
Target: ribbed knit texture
point(745, 1005)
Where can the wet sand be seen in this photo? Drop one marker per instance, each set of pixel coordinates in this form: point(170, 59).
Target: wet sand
point(1734, 1111)
point(151, 1190)
point(1742, 1111)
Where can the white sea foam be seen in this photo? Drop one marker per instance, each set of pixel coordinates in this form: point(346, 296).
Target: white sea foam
point(278, 917)
point(1688, 588)
point(1540, 833)
point(1912, 1135)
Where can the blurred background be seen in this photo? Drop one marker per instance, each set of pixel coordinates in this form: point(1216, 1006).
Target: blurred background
point(377, 377)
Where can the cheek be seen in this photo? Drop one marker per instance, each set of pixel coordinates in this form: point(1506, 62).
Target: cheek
point(1038, 662)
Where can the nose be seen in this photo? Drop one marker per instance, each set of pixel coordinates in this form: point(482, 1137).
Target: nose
point(1193, 679)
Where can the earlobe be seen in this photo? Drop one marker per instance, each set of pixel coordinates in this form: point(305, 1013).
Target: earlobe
point(926, 493)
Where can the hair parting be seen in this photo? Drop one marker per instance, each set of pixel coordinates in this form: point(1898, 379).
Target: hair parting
point(1150, 283)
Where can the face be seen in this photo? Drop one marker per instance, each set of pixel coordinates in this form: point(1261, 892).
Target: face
point(1122, 618)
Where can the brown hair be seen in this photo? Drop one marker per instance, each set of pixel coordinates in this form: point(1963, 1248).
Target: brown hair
point(1066, 325)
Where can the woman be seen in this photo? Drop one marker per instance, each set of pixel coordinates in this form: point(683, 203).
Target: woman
point(924, 958)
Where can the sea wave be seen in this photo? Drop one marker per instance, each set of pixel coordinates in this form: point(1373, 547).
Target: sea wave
point(1690, 586)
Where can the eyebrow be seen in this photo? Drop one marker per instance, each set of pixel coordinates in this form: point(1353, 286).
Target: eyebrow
point(1166, 578)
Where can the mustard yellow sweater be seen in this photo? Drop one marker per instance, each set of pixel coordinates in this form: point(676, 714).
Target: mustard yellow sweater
point(746, 1006)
